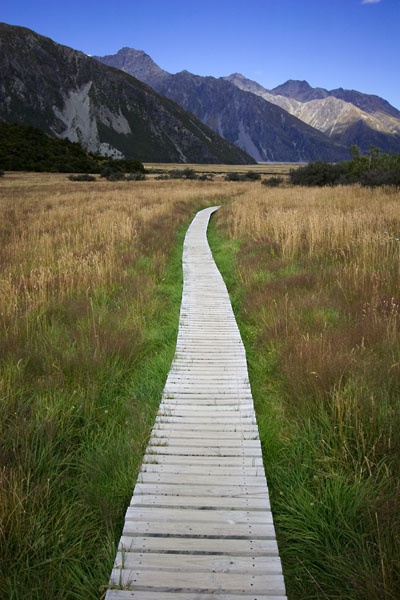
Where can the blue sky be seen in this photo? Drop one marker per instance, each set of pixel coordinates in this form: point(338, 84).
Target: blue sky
point(353, 44)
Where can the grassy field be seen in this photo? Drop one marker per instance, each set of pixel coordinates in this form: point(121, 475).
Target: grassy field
point(314, 276)
point(89, 298)
point(89, 295)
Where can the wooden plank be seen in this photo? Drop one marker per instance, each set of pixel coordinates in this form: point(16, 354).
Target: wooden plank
point(217, 563)
point(206, 441)
point(199, 582)
point(188, 489)
point(217, 376)
point(212, 392)
point(204, 432)
point(200, 478)
point(222, 461)
point(220, 451)
point(230, 403)
point(191, 515)
point(219, 410)
point(188, 469)
point(196, 529)
point(233, 418)
point(260, 502)
point(183, 595)
point(230, 420)
point(197, 423)
point(210, 434)
point(198, 546)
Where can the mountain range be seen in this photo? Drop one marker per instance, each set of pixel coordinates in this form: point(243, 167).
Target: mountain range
point(126, 105)
point(295, 122)
point(346, 116)
point(71, 95)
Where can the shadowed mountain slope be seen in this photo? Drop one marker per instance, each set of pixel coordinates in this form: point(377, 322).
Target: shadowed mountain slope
point(71, 95)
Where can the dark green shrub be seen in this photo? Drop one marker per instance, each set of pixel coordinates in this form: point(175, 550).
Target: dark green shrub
point(252, 176)
point(249, 176)
point(374, 169)
point(233, 176)
point(272, 181)
point(110, 169)
point(182, 174)
point(115, 176)
point(378, 177)
point(320, 173)
point(129, 165)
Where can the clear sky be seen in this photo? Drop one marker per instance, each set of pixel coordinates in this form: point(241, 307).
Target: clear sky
point(353, 44)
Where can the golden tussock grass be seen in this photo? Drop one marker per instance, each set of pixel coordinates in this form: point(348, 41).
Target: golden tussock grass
point(59, 236)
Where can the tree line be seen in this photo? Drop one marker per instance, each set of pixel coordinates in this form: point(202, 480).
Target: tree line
point(25, 148)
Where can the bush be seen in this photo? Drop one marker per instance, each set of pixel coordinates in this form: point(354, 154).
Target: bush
point(110, 170)
point(272, 181)
point(83, 177)
point(378, 177)
point(187, 173)
point(233, 176)
point(320, 173)
point(374, 169)
point(252, 176)
point(182, 174)
point(249, 176)
point(115, 176)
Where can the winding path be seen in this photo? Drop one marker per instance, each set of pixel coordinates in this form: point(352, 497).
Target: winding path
point(200, 525)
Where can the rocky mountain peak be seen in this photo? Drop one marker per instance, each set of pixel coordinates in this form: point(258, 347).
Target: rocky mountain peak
point(299, 90)
point(129, 59)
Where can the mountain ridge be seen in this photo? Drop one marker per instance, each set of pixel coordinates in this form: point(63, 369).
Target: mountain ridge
point(259, 127)
point(69, 94)
point(344, 117)
point(126, 105)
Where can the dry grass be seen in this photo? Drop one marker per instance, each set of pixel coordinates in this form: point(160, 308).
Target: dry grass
point(89, 301)
point(89, 297)
point(318, 281)
point(58, 236)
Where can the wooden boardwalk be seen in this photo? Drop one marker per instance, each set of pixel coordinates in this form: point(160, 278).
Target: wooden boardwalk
point(200, 525)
